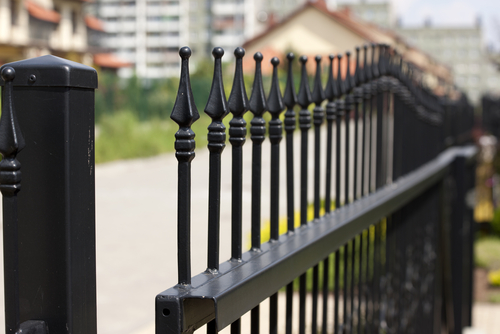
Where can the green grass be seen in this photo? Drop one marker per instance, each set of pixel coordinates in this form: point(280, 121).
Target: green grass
point(494, 298)
point(123, 136)
point(487, 252)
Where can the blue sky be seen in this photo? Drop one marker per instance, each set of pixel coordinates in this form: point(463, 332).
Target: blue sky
point(453, 13)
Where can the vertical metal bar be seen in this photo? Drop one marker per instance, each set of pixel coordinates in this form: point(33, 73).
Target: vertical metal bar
point(11, 143)
point(217, 109)
point(336, 293)
point(358, 99)
point(317, 96)
point(368, 264)
point(345, 288)
point(366, 101)
point(360, 283)
point(353, 265)
point(330, 93)
point(275, 107)
point(290, 100)
point(258, 106)
point(302, 304)
point(315, 288)
point(326, 281)
point(185, 114)
point(238, 105)
point(373, 106)
point(349, 105)
point(303, 99)
point(255, 320)
point(340, 113)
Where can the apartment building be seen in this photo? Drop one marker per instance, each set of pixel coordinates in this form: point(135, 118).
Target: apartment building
point(380, 13)
point(149, 33)
point(30, 28)
point(459, 47)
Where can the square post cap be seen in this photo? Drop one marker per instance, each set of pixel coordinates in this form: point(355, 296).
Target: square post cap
point(52, 71)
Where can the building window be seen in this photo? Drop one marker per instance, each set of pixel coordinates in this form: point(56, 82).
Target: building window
point(74, 19)
point(14, 12)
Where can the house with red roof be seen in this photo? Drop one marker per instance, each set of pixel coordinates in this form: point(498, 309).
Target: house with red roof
point(313, 30)
point(31, 28)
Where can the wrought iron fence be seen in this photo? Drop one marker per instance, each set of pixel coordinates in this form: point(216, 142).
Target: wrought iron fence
point(395, 218)
point(393, 248)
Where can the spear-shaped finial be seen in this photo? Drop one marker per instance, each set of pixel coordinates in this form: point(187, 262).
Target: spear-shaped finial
point(318, 95)
point(349, 80)
point(374, 67)
point(238, 105)
point(340, 82)
point(11, 139)
point(216, 106)
point(238, 100)
point(184, 112)
point(366, 68)
point(382, 59)
point(275, 106)
point(358, 74)
point(258, 103)
point(290, 98)
point(304, 97)
point(331, 89)
point(275, 100)
point(217, 109)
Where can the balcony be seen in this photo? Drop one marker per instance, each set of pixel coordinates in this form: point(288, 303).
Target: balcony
point(112, 11)
point(167, 10)
point(162, 26)
point(228, 8)
point(119, 27)
point(163, 41)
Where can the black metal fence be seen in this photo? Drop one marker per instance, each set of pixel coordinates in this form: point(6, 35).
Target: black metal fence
point(396, 228)
point(392, 252)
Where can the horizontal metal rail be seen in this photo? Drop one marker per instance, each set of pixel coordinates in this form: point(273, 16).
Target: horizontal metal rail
point(238, 286)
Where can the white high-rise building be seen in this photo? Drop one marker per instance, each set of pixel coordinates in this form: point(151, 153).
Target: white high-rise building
point(149, 33)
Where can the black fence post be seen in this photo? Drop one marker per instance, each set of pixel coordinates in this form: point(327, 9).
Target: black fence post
point(54, 103)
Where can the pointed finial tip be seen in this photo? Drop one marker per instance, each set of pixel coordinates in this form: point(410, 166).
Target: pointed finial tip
point(239, 52)
point(218, 52)
point(185, 52)
point(8, 74)
point(303, 59)
point(317, 58)
point(258, 56)
point(290, 56)
point(275, 61)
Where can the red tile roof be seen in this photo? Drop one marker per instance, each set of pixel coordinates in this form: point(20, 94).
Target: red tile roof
point(109, 60)
point(41, 13)
point(94, 23)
